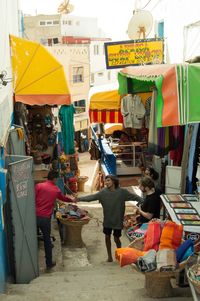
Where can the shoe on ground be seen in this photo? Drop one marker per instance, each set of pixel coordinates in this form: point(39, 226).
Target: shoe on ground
point(50, 266)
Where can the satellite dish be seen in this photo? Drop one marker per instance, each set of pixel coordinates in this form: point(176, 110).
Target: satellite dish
point(65, 7)
point(140, 24)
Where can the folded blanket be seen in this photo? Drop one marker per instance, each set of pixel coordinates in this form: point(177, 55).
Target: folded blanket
point(147, 262)
point(171, 236)
point(152, 236)
point(185, 250)
point(166, 260)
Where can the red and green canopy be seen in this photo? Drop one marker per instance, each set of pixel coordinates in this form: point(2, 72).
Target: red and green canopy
point(178, 87)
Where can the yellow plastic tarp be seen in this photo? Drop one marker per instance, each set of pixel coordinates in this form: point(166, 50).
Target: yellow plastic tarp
point(38, 78)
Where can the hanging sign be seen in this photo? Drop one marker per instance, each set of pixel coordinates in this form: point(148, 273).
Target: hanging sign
point(134, 52)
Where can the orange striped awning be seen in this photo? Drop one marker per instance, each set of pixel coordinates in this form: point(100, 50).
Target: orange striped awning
point(105, 116)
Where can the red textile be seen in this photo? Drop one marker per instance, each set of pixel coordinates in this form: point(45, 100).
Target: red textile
point(152, 236)
point(45, 195)
point(176, 144)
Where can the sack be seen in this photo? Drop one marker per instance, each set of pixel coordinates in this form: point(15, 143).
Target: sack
point(94, 151)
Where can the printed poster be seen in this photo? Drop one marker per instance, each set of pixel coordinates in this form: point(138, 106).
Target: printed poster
point(185, 211)
point(181, 205)
point(191, 217)
point(175, 198)
point(134, 52)
point(190, 223)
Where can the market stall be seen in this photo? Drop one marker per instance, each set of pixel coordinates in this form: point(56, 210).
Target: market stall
point(40, 88)
point(173, 131)
point(106, 108)
point(71, 220)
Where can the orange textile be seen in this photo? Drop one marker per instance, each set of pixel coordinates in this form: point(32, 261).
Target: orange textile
point(152, 236)
point(171, 236)
point(170, 98)
point(127, 255)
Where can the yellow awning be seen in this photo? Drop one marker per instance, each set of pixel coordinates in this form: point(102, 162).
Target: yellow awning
point(38, 78)
point(105, 104)
point(105, 100)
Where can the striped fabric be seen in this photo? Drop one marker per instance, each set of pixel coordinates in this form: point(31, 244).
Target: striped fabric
point(171, 236)
point(152, 236)
point(105, 116)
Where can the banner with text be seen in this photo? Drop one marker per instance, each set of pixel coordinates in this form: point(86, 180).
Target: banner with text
point(134, 52)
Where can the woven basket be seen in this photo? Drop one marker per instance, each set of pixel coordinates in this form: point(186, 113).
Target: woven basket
point(138, 243)
point(192, 270)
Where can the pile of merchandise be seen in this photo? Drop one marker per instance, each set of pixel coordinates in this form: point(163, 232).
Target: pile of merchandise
point(72, 212)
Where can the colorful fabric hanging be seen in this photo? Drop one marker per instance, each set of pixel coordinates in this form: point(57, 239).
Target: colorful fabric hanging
point(66, 117)
point(105, 116)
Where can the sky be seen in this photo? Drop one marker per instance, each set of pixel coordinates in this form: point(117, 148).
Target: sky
point(113, 15)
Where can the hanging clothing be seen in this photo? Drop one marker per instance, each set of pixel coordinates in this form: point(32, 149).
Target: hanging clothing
point(189, 186)
point(66, 117)
point(176, 136)
point(147, 111)
point(184, 162)
point(153, 131)
point(133, 111)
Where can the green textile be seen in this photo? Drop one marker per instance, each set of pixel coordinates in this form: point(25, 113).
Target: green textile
point(132, 85)
point(188, 84)
point(194, 93)
point(123, 86)
point(66, 117)
point(159, 101)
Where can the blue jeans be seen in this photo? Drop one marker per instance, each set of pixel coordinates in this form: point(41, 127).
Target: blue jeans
point(44, 224)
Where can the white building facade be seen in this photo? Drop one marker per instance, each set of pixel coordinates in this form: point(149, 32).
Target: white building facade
point(68, 29)
point(9, 13)
point(80, 26)
point(179, 20)
point(99, 75)
point(9, 24)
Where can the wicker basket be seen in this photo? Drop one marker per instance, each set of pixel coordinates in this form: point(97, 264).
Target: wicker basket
point(138, 243)
point(192, 270)
point(157, 284)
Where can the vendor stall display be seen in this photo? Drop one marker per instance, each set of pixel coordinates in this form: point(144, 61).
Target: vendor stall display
point(193, 275)
point(159, 255)
point(41, 133)
point(72, 218)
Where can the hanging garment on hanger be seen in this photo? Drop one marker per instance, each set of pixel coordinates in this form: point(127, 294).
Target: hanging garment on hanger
point(176, 135)
point(184, 162)
point(147, 111)
point(153, 131)
point(189, 186)
point(133, 111)
point(66, 117)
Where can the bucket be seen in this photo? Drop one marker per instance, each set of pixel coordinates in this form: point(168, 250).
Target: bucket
point(81, 182)
point(72, 182)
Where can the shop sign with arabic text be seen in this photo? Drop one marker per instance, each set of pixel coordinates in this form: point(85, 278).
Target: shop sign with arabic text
point(134, 52)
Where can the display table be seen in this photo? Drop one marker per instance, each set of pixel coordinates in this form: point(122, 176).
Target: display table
point(170, 210)
point(72, 236)
point(192, 232)
point(127, 158)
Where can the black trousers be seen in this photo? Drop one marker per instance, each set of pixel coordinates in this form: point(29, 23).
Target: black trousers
point(44, 224)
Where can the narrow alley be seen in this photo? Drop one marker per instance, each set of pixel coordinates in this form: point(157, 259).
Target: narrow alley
point(82, 274)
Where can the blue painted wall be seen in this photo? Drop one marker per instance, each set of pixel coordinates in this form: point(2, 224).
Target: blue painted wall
point(3, 256)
